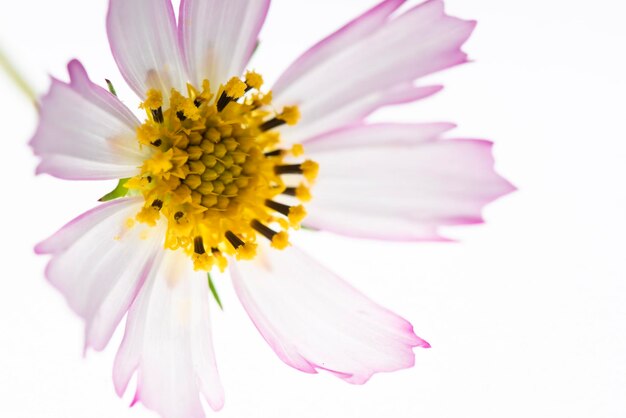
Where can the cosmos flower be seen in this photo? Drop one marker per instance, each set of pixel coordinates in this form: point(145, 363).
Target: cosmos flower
point(221, 170)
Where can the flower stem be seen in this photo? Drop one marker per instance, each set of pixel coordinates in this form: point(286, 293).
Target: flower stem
point(18, 79)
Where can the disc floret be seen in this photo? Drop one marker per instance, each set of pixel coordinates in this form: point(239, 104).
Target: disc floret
point(217, 174)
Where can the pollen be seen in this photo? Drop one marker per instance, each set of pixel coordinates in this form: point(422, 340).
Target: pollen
point(217, 174)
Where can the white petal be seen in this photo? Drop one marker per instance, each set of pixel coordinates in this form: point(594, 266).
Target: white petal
point(168, 342)
point(144, 42)
point(314, 320)
point(85, 132)
point(361, 67)
point(99, 265)
point(219, 37)
point(400, 182)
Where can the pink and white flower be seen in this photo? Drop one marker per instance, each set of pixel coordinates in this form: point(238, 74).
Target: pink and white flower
point(133, 256)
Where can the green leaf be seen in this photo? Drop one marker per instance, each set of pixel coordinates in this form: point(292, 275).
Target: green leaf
point(111, 88)
point(214, 292)
point(119, 191)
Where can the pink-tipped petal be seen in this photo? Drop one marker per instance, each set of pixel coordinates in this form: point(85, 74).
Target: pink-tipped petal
point(144, 43)
point(357, 69)
point(314, 320)
point(99, 264)
point(86, 133)
point(219, 37)
point(402, 183)
point(168, 342)
point(334, 44)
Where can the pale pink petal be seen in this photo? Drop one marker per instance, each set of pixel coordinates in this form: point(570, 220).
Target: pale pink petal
point(334, 44)
point(142, 35)
point(168, 342)
point(99, 265)
point(219, 37)
point(400, 182)
point(314, 320)
point(355, 71)
point(86, 133)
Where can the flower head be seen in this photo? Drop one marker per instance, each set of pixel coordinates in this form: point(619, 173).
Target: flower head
point(221, 170)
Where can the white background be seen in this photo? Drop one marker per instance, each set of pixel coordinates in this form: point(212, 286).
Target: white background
point(527, 315)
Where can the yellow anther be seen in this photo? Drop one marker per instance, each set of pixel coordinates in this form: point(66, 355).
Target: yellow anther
point(137, 183)
point(202, 262)
point(296, 215)
point(303, 193)
point(206, 91)
point(220, 261)
point(154, 100)
point(280, 241)
point(148, 134)
point(297, 150)
point(310, 170)
point(189, 109)
point(290, 114)
point(149, 215)
point(160, 163)
point(254, 80)
point(235, 88)
point(246, 251)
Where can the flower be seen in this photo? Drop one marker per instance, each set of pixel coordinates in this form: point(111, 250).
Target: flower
point(220, 171)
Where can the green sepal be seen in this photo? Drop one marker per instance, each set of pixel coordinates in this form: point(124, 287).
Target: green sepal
point(111, 88)
point(119, 191)
point(214, 292)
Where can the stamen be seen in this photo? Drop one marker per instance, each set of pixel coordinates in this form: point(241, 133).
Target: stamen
point(157, 114)
point(158, 204)
point(158, 142)
point(198, 245)
point(295, 214)
point(288, 169)
point(290, 191)
point(181, 115)
point(223, 101)
point(234, 240)
point(290, 116)
point(264, 230)
point(271, 124)
point(301, 192)
point(278, 207)
point(275, 153)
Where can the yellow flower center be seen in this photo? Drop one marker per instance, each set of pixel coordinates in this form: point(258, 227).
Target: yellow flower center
point(217, 172)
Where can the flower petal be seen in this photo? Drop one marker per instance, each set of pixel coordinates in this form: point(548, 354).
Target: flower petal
point(86, 133)
point(348, 35)
point(142, 35)
point(99, 264)
point(314, 320)
point(400, 182)
point(219, 37)
point(168, 341)
point(353, 72)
